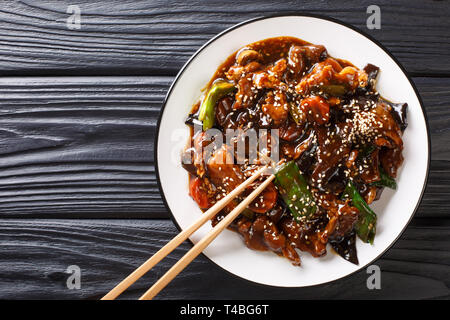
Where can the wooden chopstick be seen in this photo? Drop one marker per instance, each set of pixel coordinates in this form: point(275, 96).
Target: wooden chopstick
point(180, 238)
point(203, 243)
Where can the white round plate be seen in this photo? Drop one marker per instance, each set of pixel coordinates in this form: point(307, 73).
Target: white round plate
point(394, 209)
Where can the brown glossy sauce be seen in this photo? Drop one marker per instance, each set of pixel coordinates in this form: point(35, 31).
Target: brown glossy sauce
point(338, 113)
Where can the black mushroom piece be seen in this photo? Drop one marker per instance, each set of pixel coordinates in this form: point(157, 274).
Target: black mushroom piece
point(372, 74)
point(399, 112)
point(346, 247)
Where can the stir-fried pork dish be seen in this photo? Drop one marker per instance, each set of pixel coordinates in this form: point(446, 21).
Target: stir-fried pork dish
point(338, 143)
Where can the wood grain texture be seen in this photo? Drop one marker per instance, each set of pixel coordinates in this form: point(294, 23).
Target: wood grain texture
point(35, 254)
point(157, 37)
point(83, 146)
point(86, 143)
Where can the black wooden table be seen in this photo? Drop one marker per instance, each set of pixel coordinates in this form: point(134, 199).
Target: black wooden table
point(78, 113)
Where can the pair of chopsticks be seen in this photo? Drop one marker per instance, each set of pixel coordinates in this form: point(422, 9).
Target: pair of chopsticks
point(197, 248)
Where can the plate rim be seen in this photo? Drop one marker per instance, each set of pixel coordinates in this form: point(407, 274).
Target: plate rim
point(291, 14)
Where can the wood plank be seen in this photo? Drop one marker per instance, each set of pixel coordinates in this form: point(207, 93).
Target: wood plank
point(156, 37)
point(86, 143)
point(83, 146)
point(434, 93)
point(34, 256)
